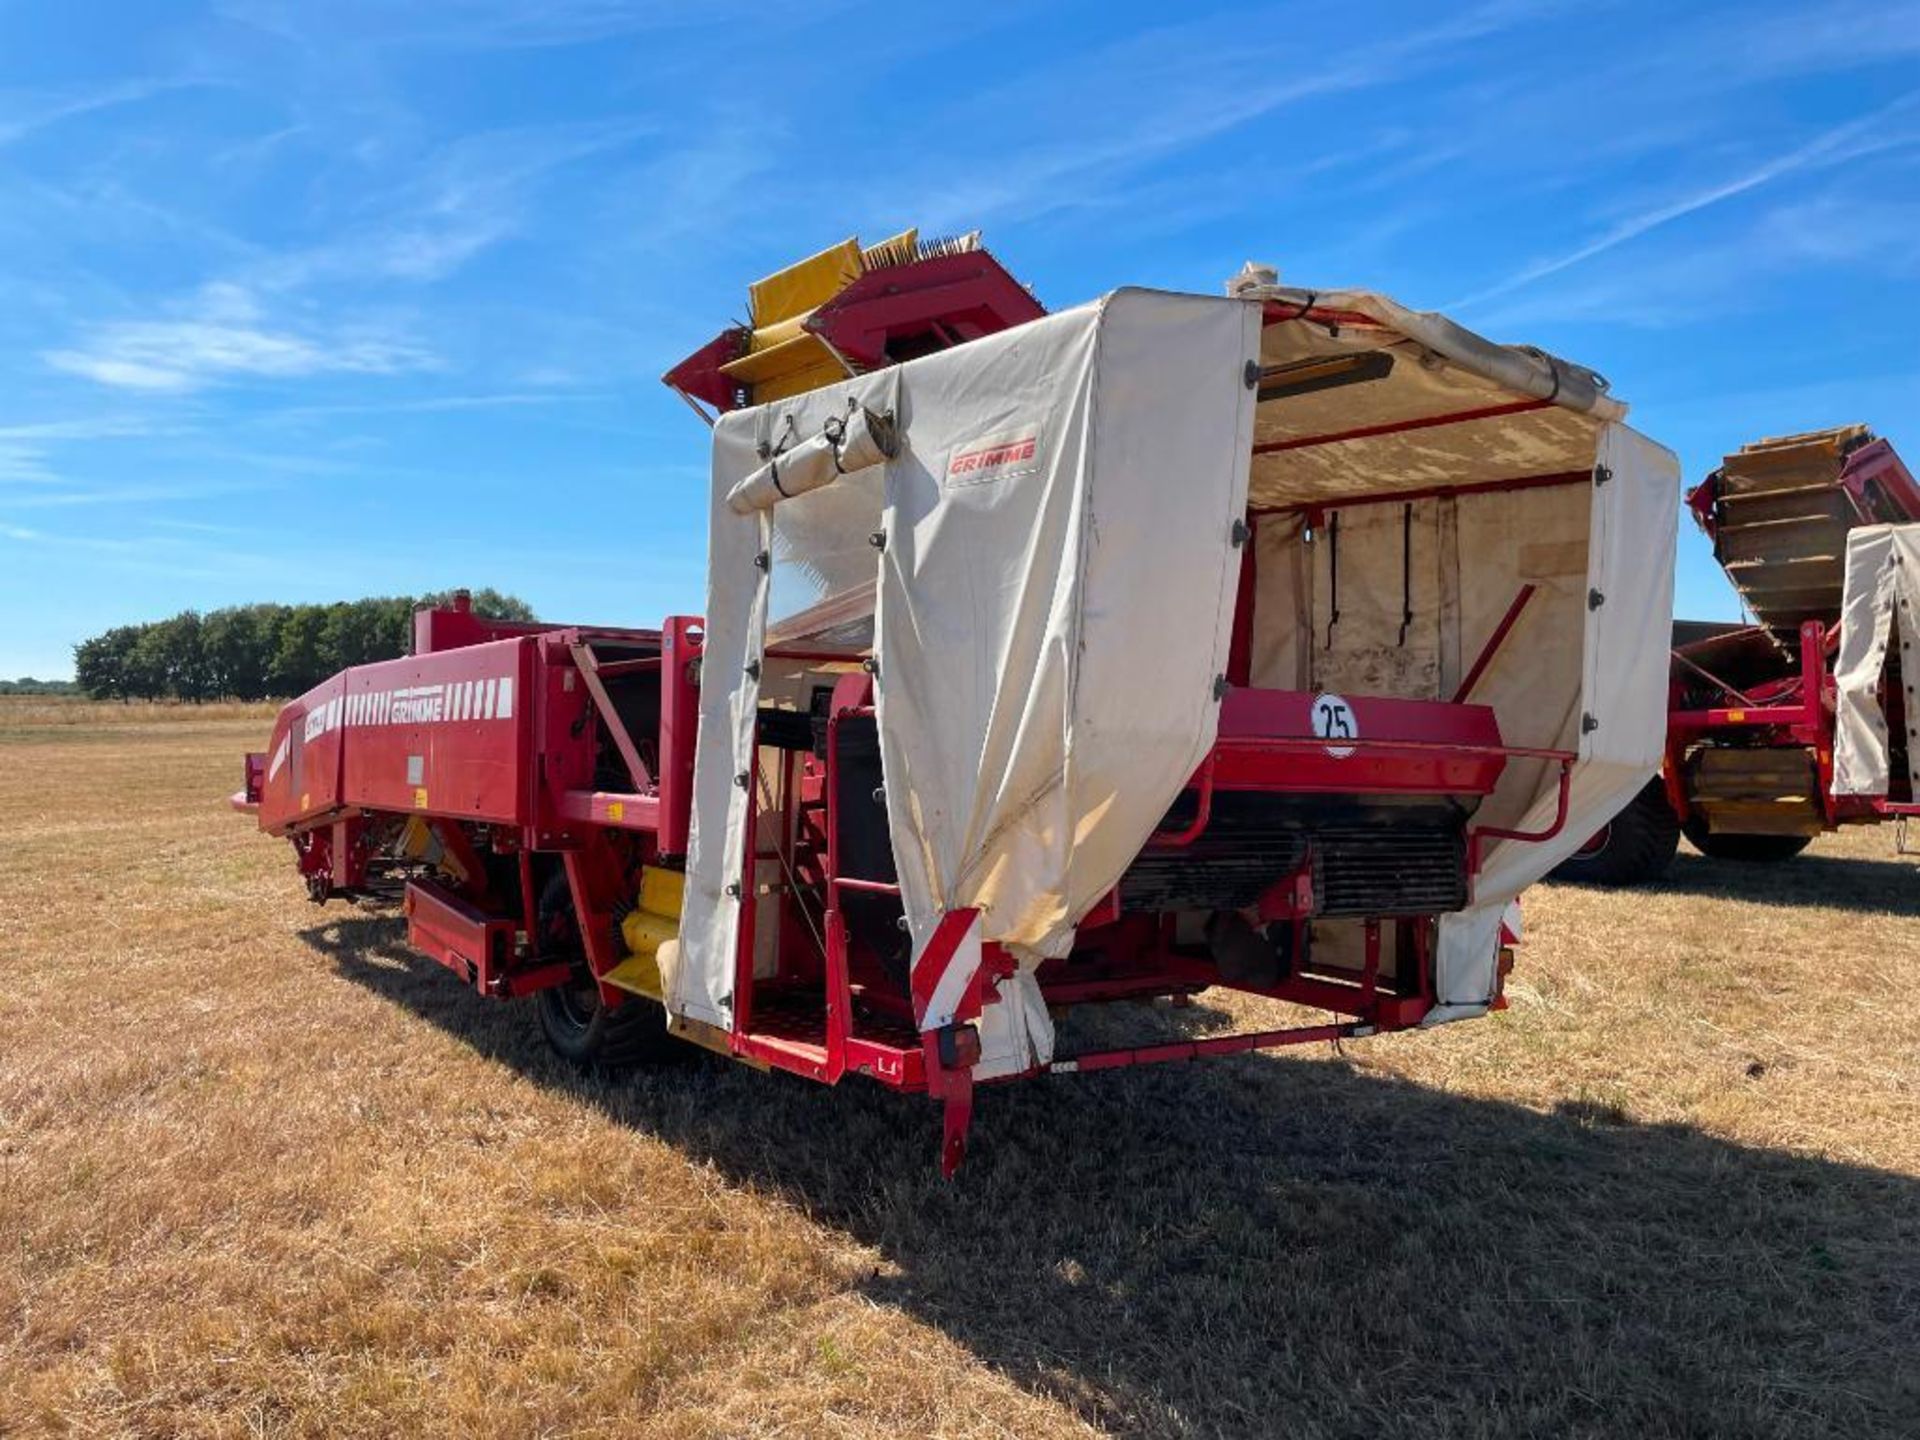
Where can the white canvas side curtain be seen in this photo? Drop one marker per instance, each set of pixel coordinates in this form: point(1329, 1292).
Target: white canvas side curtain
point(1039, 706)
point(1882, 585)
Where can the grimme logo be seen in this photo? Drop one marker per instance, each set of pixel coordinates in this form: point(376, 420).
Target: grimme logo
point(487, 699)
point(982, 461)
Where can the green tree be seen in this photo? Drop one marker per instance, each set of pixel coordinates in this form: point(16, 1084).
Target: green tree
point(300, 656)
point(253, 651)
point(358, 633)
point(239, 644)
point(494, 604)
point(179, 656)
point(100, 663)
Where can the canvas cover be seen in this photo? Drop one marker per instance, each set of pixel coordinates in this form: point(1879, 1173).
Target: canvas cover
point(1043, 694)
point(1613, 714)
point(1882, 585)
point(1051, 605)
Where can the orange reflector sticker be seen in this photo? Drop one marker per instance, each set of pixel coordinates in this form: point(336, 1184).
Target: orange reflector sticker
point(420, 799)
point(1734, 717)
point(617, 810)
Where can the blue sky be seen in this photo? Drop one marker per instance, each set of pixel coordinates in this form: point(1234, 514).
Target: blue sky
point(304, 301)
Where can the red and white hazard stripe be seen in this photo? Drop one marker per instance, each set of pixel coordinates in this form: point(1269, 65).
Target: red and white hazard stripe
point(945, 979)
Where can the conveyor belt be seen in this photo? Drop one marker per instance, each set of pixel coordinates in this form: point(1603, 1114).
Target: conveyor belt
point(1781, 510)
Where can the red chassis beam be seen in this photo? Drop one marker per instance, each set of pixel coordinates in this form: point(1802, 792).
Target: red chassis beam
point(1211, 1045)
point(476, 946)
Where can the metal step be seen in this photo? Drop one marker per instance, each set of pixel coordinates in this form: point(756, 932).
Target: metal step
point(637, 975)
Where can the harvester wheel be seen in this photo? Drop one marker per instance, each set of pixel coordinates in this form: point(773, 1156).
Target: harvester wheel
point(578, 1024)
point(1754, 849)
point(582, 1030)
point(1636, 846)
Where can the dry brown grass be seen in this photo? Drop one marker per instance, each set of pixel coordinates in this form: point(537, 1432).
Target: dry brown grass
point(262, 1173)
point(49, 717)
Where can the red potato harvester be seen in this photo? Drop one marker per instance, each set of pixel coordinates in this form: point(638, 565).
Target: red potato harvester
point(1272, 642)
point(1800, 524)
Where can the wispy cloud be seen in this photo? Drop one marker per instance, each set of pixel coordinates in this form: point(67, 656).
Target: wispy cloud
point(22, 115)
point(1115, 112)
point(22, 464)
point(223, 336)
point(95, 427)
point(150, 554)
point(432, 405)
point(1840, 142)
point(497, 24)
point(72, 497)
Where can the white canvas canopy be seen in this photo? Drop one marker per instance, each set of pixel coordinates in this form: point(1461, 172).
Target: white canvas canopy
point(1050, 608)
point(1882, 587)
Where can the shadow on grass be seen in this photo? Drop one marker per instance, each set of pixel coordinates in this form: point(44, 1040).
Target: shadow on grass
point(1267, 1246)
point(1879, 887)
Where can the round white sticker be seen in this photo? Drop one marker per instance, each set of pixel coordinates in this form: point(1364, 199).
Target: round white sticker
point(1333, 720)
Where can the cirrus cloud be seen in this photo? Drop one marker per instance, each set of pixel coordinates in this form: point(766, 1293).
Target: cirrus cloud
point(224, 336)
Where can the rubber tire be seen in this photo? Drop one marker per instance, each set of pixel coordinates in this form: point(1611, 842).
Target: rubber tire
point(585, 1033)
point(1638, 845)
point(1750, 849)
point(577, 1023)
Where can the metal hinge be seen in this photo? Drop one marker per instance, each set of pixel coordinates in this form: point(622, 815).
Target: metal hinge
point(1595, 599)
point(1602, 474)
point(1588, 723)
point(1240, 533)
point(1251, 375)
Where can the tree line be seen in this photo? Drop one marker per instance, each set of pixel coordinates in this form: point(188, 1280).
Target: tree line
point(252, 652)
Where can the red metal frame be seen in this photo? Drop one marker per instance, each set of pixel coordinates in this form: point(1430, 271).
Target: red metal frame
point(888, 314)
point(1794, 712)
point(1494, 642)
point(1399, 427)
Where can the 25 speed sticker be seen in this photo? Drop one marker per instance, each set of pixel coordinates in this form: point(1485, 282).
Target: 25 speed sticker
point(1333, 720)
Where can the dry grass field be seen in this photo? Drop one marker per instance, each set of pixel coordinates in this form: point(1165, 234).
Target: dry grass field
point(262, 1173)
